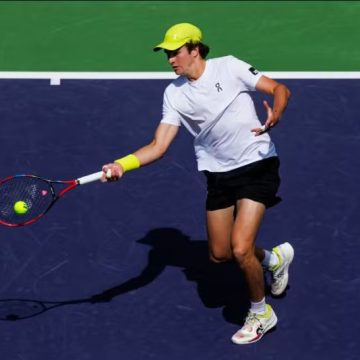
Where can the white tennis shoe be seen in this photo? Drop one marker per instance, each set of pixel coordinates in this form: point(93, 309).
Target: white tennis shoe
point(255, 327)
point(280, 272)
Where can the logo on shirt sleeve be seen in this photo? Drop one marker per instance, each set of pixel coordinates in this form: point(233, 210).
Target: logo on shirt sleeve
point(253, 71)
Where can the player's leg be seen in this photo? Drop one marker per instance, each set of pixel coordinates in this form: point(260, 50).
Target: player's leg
point(261, 317)
point(219, 227)
point(247, 223)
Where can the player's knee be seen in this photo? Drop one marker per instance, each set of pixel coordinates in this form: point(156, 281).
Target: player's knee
point(243, 254)
point(217, 257)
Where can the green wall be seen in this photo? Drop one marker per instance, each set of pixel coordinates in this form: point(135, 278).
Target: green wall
point(119, 35)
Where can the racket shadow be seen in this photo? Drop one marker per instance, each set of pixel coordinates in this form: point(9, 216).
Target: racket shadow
point(218, 285)
point(20, 309)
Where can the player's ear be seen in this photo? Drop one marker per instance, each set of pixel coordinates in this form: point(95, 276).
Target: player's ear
point(195, 51)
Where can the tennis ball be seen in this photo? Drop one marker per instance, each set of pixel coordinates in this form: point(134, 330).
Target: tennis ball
point(21, 207)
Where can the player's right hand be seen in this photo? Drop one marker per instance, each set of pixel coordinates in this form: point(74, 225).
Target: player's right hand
point(112, 172)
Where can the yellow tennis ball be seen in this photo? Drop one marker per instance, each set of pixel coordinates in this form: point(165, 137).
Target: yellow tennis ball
point(21, 207)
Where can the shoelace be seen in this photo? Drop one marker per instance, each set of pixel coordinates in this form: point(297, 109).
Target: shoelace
point(279, 274)
point(251, 320)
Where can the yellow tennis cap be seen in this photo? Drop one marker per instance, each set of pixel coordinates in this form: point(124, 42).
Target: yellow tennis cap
point(178, 35)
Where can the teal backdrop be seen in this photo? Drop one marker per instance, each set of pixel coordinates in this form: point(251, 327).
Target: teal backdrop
point(119, 35)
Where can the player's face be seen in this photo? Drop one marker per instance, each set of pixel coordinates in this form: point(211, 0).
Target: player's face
point(180, 60)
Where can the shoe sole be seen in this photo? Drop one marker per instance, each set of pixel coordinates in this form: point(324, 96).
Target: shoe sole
point(288, 250)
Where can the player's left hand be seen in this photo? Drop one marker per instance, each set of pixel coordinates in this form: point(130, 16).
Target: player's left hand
point(269, 123)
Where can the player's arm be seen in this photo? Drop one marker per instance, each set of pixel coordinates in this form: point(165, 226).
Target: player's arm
point(281, 95)
point(163, 137)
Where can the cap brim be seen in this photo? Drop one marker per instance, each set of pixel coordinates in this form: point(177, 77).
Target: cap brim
point(169, 45)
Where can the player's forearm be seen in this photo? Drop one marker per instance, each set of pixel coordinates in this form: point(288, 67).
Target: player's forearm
point(143, 156)
point(164, 136)
point(281, 99)
point(150, 153)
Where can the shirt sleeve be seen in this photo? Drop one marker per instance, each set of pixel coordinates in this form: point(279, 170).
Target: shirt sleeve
point(169, 113)
point(244, 72)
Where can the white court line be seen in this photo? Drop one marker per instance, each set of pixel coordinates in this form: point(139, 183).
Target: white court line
point(55, 77)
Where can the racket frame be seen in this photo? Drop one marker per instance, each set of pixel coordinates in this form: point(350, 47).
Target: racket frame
point(55, 196)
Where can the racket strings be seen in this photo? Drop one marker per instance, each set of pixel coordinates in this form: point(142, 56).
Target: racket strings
point(36, 193)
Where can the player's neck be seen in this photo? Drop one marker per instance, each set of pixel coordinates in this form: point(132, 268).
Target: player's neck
point(197, 70)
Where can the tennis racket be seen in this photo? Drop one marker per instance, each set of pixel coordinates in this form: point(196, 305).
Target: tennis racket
point(34, 195)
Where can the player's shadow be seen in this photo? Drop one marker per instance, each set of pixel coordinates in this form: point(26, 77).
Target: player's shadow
point(218, 285)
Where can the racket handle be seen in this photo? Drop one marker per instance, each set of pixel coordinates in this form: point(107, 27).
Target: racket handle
point(90, 178)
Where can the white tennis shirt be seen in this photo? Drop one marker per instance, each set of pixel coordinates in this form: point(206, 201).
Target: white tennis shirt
point(219, 112)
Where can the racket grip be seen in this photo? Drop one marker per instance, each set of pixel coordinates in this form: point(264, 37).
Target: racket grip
point(90, 178)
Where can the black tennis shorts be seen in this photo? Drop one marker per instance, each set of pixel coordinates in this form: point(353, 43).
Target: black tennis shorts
point(258, 181)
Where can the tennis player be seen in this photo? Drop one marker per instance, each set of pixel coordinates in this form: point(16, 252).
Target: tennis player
point(234, 150)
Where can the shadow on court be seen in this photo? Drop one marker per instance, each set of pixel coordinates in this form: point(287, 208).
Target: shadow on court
point(218, 285)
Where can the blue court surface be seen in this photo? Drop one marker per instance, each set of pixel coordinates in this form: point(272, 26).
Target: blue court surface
point(125, 264)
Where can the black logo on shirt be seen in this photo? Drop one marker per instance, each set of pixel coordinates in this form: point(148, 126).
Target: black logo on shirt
point(253, 71)
point(218, 87)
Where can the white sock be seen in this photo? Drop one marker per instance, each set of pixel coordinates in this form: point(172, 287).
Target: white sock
point(270, 259)
point(258, 307)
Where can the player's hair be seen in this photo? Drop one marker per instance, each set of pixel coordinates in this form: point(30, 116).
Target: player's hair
point(203, 49)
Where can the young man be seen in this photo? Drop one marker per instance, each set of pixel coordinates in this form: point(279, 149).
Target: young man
point(210, 98)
